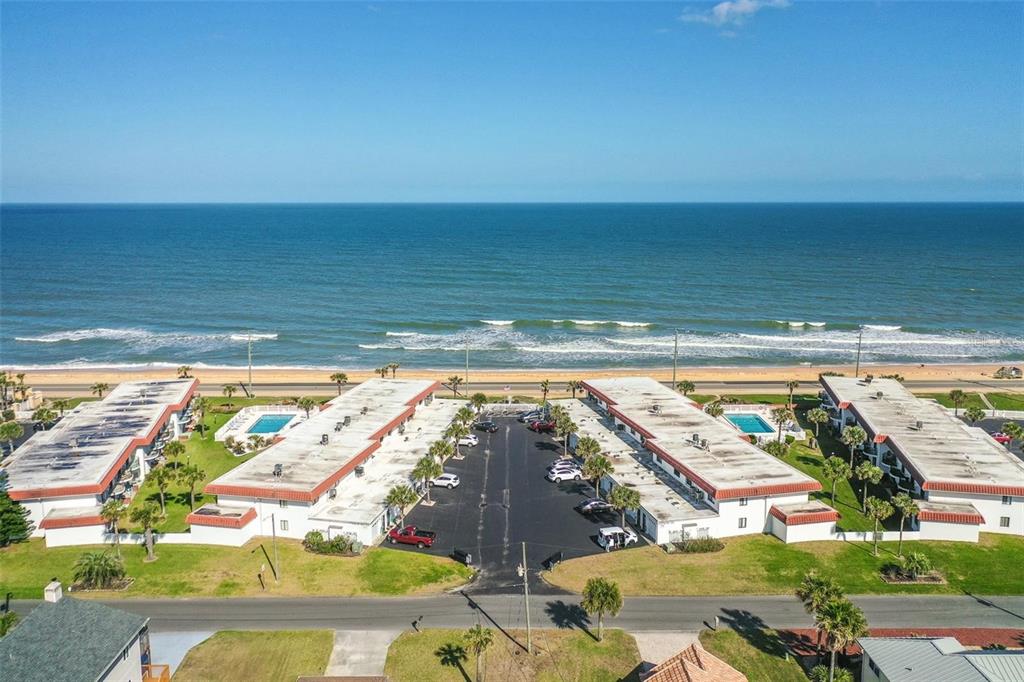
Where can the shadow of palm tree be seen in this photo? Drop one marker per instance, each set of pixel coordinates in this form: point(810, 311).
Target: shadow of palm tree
point(453, 656)
point(755, 631)
point(567, 616)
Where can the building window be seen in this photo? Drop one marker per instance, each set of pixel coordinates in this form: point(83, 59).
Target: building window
point(284, 524)
point(743, 502)
point(1007, 499)
point(1004, 521)
point(874, 668)
point(743, 522)
point(282, 503)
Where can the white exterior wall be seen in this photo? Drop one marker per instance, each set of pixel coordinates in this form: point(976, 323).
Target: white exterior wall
point(866, 674)
point(127, 667)
point(39, 508)
point(367, 534)
point(215, 535)
point(937, 530)
point(991, 508)
point(804, 532)
point(81, 535)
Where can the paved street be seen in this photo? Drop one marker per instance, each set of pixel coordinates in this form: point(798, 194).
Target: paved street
point(506, 611)
point(503, 501)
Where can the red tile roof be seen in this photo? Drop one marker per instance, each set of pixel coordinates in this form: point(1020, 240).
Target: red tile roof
point(194, 519)
point(694, 664)
point(975, 519)
point(71, 522)
point(801, 518)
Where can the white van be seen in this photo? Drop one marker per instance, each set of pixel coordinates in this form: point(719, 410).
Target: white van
point(614, 537)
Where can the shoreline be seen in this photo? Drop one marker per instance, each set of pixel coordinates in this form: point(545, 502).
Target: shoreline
point(272, 375)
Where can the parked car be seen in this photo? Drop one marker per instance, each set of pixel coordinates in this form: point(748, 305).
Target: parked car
point(614, 537)
point(593, 506)
point(564, 474)
point(471, 440)
point(489, 427)
point(526, 417)
point(411, 535)
point(445, 481)
point(1001, 437)
point(563, 464)
point(541, 426)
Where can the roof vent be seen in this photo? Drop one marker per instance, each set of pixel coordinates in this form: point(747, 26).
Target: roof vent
point(878, 395)
point(347, 420)
point(324, 439)
point(278, 470)
point(696, 438)
point(919, 424)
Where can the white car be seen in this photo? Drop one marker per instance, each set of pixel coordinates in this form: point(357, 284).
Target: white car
point(471, 440)
point(614, 537)
point(445, 481)
point(560, 474)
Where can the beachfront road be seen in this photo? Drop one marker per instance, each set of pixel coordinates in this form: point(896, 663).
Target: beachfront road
point(507, 611)
point(531, 387)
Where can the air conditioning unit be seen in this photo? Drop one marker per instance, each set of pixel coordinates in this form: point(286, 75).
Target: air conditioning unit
point(347, 420)
point(332, 493)
point(324, 439)
point(919, 424)
point(696, 438)
point(278, 470)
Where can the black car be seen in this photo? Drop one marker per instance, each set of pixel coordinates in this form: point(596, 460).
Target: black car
point(532, 415)
point(489, 427)
point(593, 506)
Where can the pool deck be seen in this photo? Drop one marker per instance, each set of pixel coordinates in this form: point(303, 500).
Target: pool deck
point(238, 426)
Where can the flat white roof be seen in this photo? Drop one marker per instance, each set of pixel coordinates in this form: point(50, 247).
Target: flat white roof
point(663, 497)
point(360, 499)
point(373, 408)
point(78, 454)
point(944, 452)
point(730, 467)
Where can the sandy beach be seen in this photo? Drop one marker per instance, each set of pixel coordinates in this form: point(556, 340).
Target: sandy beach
point(263, 376)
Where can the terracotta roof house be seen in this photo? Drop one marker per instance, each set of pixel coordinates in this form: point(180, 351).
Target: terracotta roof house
point(694, 664)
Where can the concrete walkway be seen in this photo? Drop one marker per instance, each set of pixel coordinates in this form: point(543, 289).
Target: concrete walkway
point(170, 647)
point(657, 646)
point(360, 652)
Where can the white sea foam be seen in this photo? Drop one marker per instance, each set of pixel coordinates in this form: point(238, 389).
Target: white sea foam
point(399, 333)
point(632, 324)
point(499, 323)
point(380, 346)
point(883, 327)
point(140, 336)
point(254, 336)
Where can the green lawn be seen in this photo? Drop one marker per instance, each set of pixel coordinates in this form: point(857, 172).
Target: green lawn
point(211, 571)
point(973, 400)
point(762, 564)
point(281, 656)
point(559, 655)
point(755, 651)
point(1006, 401)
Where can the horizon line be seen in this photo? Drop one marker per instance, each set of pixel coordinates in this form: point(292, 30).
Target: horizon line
point(513, 203)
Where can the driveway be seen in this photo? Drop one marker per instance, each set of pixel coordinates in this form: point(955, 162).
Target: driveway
point(503, 501)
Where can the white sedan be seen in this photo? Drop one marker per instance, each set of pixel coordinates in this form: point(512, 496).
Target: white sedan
point(564, 474)
point(471, 440)
point(445, 481)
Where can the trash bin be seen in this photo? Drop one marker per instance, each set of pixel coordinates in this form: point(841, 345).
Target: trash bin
point(553, 560)
point(463, 557)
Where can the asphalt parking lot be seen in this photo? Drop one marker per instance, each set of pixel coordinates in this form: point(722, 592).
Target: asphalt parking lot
point(503, 501)
point(994, 425)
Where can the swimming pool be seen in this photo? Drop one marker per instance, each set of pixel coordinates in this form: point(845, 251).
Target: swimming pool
point(750, 423)
point(270, 423)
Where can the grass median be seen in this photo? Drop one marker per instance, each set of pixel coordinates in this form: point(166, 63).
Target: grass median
point(232, 656)
point(211, 571)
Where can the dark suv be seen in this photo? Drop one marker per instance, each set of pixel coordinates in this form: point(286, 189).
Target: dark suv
point(488, 426)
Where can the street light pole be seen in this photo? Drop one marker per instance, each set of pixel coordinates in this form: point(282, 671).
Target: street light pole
point(860, 338)
point(524, 571)
point(277, 561)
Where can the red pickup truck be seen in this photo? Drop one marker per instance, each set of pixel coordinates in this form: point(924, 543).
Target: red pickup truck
point(541, 426)
point(411, 535)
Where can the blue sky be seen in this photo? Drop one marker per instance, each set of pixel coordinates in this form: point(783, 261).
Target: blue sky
point(750, 100)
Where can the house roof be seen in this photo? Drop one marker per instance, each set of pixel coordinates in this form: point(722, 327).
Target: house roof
point(800, 513)
point(71, 640)
point(924, 659)
point(694, 664)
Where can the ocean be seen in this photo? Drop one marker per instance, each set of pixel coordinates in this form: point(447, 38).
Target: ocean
point(525, 285)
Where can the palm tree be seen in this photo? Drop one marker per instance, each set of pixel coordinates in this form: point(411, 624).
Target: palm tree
point(340, 378)
point(465, 415)
point(478, 400)
point(7, 622)
point(162, 477)
point(426, 469)
point(44, 416)
point(842, 623)
point(183, 371)
point(256, 441)
point(441, 450)
point(601, 596)
point(574, 385)
point(478, 638)
point(815, 591)
point(817, 416)
point(400, 497)
point(99, 388)
point(202, 406)
point(587, 447)
point(623, 498)
point(1014, 430)
point(455, 381)
point(715, 408)
point(455, 432)
point(190, 475)
point(877, 510)
point(307, 404)
point(62, 404)
point(595, 468)
point(974, 414)
point(10, 432)
point(228, 390)
point(545, 388)
point(393, 366)
point(382, 371)
point(565, 427)
point(173, 450)
point(905, 506)
point(98, 570)
point(776, 448)
point(781, 415)
point(686, 387)
point(114, 512)
point(958, 398)
point(148, 515)
point(834, 469)
point(792, 385)
point(22, 387)
point(866, 472)
point(853, 436)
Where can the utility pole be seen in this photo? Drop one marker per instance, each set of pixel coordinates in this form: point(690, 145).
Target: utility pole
point(523, 571)
point(860, 338)
point(675, 359)
point(277, 561)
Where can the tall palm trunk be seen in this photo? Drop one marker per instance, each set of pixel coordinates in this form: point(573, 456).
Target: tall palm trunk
point(149, 543)
point(600, 626)
point(899, 547)
point(832, 667)
point(479, 676)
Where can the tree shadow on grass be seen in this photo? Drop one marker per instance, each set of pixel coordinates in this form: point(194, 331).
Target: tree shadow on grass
point(754, 630)
point(568, 616)
point(453, 656)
